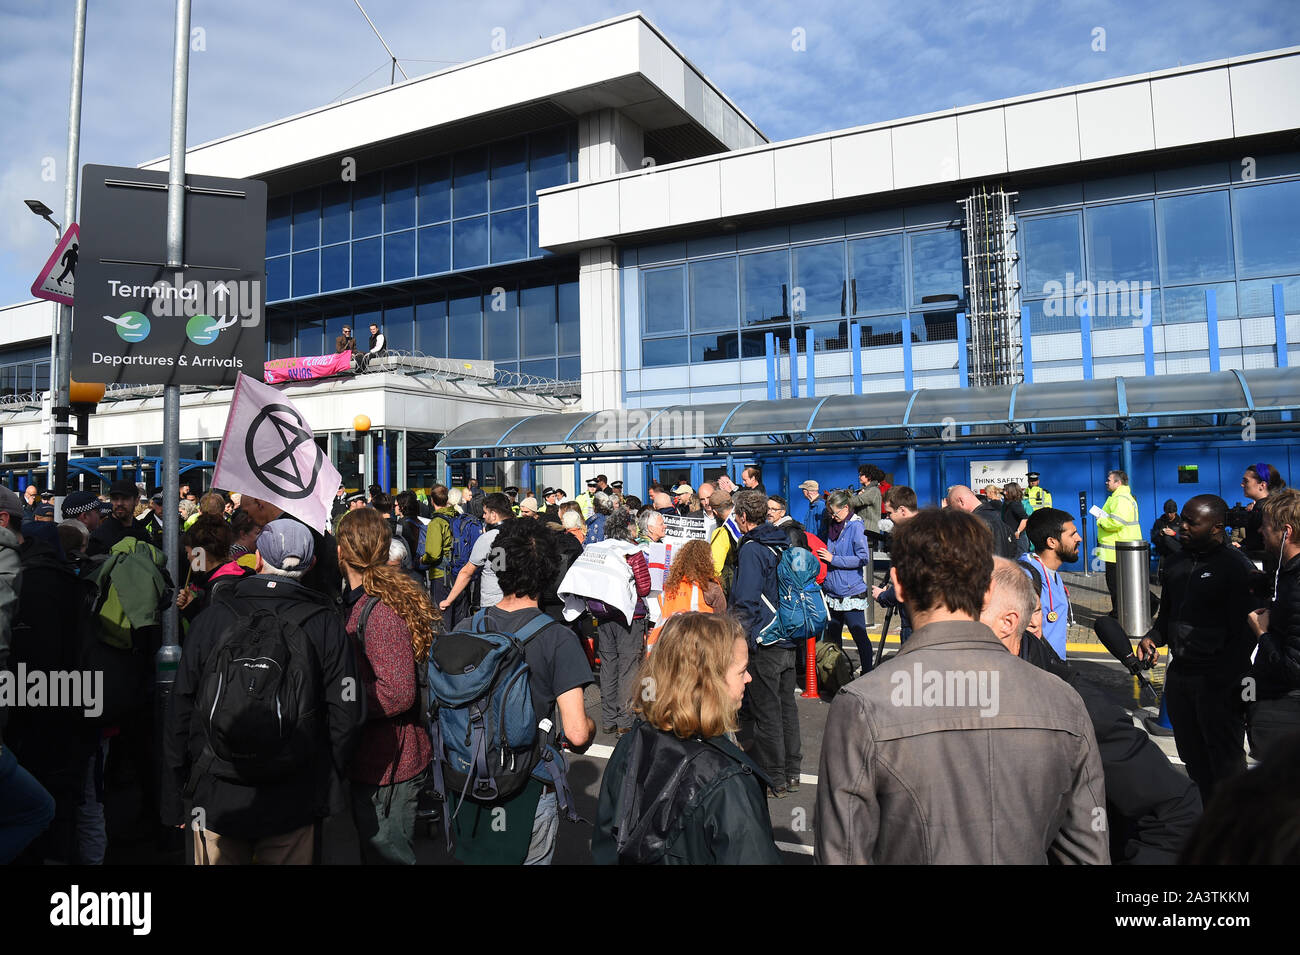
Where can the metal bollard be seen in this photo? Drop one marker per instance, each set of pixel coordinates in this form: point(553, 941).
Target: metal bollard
point(1133, 594)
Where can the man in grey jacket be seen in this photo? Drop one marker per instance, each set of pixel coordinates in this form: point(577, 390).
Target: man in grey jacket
point(920, 755)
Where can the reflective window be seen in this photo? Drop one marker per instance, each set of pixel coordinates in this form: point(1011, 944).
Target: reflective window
point(278, 224)
point(1268, 238)
point(362, 321)
point(335, 319)
point(827, 336)
point(336, 212)
point(1053, 250)
point(399, 330)
point(1256, 298)
point(765, 288)
point(469, 189)
point(539, 369)
point(537, 320)
point(713, 294)
point(568, 369)
point(306, 220)
point(509, 235)
point(1195, 237)
point(877, 274)
point(431, 327)
point(534, 248)
point(501, 326)
point(399, 198)
point(663, 351)
point(569, 319)
point(464, 326)
point(936, 266)
point(311, 337)
point(435, 190)
point(754, 344)
point(366, 263)
point(306, 273)
point(934, 326)
point(367, 205)
point(1056, 314)
point(1121, 242)
point(334, 267)
point(818, 288)
point(510, 174)
point(881, 330)
point(435, 249)
point(663, 307)
point(279, 339)
point(1188, 304)
point(469, 242)
point(399, 255)
point(1118, 304)
point(548, 163)
point(724, 347)
point(277, 278)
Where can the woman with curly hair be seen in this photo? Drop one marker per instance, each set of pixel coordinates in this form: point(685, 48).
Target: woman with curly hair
point(392, 623)
point(691, 585)
point(677, 790)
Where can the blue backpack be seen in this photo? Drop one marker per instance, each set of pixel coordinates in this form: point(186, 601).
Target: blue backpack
point(465, 532)
point(801, 612)
point(486, 742)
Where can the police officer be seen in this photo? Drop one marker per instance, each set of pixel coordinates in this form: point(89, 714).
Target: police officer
point(1117, 520)
point(584, 499)
point(1035, 496)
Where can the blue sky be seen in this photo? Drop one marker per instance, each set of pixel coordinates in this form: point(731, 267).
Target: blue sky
point(864, 62)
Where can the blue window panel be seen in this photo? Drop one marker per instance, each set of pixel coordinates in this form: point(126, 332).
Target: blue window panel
point(1195, 238)
point(435, 249)
point(569, 369)
point(336, 213)
point(881, 330)
point(335, 319)
point(1256, 298)
point(277, 279)
point(280, 339)
point(306, 273)
point(537, 321)
point(469, 242)
point(940, 326)
point(278, 224)
point(362, 321)
point(541, 369)
point(464, 326)
point(570, 319)
point(534, 249)
point(936, 266)
point(827, 336)
point(399, 255)
point(431, 327)
point(724, 347)
point(663, 306)
point(501, 326)
point(435, 190)
point(713, 294)
point(765, 288)
point(399, 327)
point(469, 184)
point(306, 219)
point(663, 351)
point(817, 281)
point(878, 275)
point(548, 160)
point(334, 262)
point(311, 337)
point(1057, 314)
point(1116, 305)
point(754, 344)
point(1121, 242)
point(1052, 247)
point(510, 174)
point(399, 198)
point(1268, 239)
point(367, 206)
point(510, 235)
point(1186, 305)
point(367, 262)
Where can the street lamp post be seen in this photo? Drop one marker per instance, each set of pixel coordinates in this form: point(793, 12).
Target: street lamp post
point(40, 209)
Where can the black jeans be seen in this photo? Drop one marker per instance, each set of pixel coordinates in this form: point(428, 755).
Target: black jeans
point(1206, 712)
point(856, 621)
point(776, 717)
point(1112, 587)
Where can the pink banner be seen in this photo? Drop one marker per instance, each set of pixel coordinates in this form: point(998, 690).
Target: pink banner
point(303, 369)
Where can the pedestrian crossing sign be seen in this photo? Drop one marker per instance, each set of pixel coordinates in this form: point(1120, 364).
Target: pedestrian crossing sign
point(56, 280)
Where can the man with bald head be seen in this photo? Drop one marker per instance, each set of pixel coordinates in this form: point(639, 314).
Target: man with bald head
point(1004, 539)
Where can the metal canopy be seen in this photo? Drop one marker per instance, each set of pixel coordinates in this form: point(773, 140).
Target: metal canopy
point(1117, 402)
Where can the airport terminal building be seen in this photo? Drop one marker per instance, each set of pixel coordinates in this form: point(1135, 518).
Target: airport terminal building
point(569, 241)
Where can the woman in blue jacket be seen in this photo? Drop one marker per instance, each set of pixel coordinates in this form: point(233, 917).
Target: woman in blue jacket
point(847, 552)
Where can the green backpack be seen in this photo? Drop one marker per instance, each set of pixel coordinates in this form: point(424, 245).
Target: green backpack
point(131, 591)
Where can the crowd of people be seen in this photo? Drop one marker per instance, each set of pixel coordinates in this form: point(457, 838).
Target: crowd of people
point(346, 649)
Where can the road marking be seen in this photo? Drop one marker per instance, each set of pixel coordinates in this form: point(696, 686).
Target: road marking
point(795, 848)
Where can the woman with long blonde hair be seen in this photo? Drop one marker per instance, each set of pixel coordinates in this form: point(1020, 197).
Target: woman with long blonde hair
point(392, 623)
point(677, 789)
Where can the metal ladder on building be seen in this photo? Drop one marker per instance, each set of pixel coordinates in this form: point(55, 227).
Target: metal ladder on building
point(995, 355)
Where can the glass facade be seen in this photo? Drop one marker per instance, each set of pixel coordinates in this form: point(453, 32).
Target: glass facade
point(24, 370)
point(466, 210)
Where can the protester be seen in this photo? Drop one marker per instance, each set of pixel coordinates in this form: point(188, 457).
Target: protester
point(847, 552)
point(867, 499)
point(1014, 514)
point(496, 509)
point(323, 575)
point(691, 586)
point(378, 348)
point(682, 753)
point(890, 788)
point(815, 519)
point(1056, 542)
point(392, 624)
point(1275, 711)
point(1118, 521)
point(620, 640)
point(1259, 481)
point(571, 521)
point(602, 506)
point(436, 558)
point(778, 514)
point(345, 342)
point(1165, 531)
point(651, 528)
point(123, 496)
point(1002, 536)
point(898, 506)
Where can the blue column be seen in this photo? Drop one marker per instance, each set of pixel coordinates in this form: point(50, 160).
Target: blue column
point(381, 462)
point(1279, 325)
point(769, 348)
point(1027, 343)
point(794, 366)
point(1126, 457)
point(962, 372)
point(809, 362)
point(1085, 339)
point(578, 486)
point(1212, 327)
point(785, 480)
point(1148, 337)
point(855, 349)
point(907, 353)
point(911, 468)
point(525, 478)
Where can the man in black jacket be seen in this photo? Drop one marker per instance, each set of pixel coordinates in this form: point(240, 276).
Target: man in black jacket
point(123, 496)
point(324, 576)
point(1004, 541)
point(1151, 808)
point(1275, 710)
point(1206, 597)
point(233, 817)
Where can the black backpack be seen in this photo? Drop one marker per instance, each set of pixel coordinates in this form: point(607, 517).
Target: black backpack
point(260, 701)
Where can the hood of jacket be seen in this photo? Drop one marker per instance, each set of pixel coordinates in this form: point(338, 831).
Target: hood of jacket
point(767, 534)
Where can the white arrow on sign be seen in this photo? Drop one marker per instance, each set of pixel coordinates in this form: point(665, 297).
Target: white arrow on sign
point(56, 279)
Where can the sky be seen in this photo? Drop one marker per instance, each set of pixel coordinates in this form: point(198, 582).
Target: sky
point(795, 68)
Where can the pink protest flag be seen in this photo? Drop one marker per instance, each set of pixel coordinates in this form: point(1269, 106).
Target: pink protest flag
point(269, 452)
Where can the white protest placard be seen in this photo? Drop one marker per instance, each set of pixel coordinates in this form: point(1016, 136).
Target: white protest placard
point(685, 528)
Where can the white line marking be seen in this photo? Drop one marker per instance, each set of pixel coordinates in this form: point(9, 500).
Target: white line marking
point(795, 848)
point(601, 751)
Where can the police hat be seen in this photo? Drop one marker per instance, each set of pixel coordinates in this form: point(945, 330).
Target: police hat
point(79, 502)
point(1032, 476)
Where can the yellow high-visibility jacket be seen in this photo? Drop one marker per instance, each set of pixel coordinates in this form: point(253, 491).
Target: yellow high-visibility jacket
point(1121, 523)
point(1037, 498)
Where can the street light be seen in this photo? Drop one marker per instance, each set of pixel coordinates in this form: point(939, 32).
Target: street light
point(41, 209)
